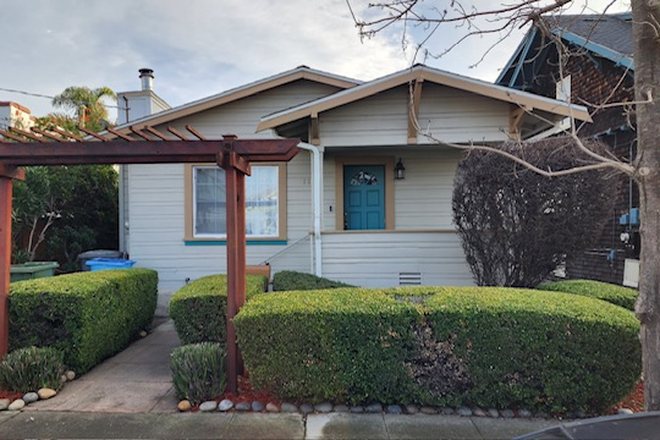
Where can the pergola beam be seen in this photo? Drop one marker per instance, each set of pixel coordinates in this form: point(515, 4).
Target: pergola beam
point(155, 151)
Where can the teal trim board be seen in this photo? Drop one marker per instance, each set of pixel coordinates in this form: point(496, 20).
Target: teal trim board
point(249, 243)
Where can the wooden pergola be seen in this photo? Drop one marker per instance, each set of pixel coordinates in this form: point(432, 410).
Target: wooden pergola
point(20, 148)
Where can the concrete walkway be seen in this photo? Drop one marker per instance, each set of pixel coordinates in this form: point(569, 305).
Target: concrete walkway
point(137, 380)
point(131, 396)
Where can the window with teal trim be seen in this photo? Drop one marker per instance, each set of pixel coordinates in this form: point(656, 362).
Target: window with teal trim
point(262, 201)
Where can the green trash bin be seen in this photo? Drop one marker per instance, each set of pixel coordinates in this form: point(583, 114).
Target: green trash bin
point(33, 269)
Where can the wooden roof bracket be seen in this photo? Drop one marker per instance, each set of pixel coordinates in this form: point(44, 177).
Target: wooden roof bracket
point(413, 109)
point(515, 122)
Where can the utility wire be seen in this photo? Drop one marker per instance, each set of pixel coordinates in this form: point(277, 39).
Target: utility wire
point(39, 95)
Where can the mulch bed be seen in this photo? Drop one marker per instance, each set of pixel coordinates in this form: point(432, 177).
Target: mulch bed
point(634, 400)
point(10, 395)
point(246, 393)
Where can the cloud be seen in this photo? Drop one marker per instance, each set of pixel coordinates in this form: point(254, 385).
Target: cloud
point(201, 47)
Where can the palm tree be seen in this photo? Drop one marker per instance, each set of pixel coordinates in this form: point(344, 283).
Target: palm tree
point(87, 105)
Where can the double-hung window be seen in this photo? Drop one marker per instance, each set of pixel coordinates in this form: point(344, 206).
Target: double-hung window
point(264, 203)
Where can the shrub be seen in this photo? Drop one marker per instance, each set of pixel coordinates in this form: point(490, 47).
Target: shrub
point(513, 222)
point(612, 293)
point(538, 350)
point(291, 280)
point(344, 345)
point(199, 309)
point(491, 347)
point(89, 315)
point(31, 368)
point(197, 371)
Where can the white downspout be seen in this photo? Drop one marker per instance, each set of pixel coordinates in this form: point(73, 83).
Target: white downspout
point(317, 203)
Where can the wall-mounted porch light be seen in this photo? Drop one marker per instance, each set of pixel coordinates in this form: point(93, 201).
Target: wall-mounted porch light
point(399, 171)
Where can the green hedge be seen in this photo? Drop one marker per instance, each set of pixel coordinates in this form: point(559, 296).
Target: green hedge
point(199, 309)
point(492, 347)
point(287, 280)
point(343, 345)
point(612, 293)
point(88, 315)
point(541, 350)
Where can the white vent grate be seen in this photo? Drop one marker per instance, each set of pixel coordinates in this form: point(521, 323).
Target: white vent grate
point(410, 279)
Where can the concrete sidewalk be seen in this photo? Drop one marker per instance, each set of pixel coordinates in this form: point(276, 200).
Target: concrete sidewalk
point(93, 425)
point(131, 396)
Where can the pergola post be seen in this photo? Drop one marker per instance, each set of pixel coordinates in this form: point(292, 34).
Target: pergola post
point(6, 176)
point(236, 167)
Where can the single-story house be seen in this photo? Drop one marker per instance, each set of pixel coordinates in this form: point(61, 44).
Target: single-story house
point(368, 199)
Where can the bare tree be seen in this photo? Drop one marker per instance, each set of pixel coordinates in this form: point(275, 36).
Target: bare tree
point(644, 169)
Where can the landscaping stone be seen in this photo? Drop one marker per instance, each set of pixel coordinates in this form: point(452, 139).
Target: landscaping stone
point(357, 409)
point(523, 413)
point(16, 405)
point(393, 409)
point(143, 334)
point(445, 410)
point(507, 414)
point(272, 407)
point(464, 411)
point(289, 407)
point(324, 407)
point(493, 413)
point(46, 393)
point(208, 406)
point(306, 408)
point(63, 378)
point(184, 406)
point(225, 405)
point(243, 406)
point(625, 411)
point(580, 415)
point(428, 410)
point(4, 404)
point(340, 408)
point(30, 397)
point(374, 408)
point(478, 412)
point(257, 406)
point(70, 375)
point(412, 409)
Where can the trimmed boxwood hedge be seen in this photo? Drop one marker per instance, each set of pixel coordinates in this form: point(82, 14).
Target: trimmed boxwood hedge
point(89, 316)
point(342, 344)
point(287, 280)
point(492, 347)
point(612, 293)
point(199, 308)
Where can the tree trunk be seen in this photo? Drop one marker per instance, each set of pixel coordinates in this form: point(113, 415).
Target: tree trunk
point(646, 20)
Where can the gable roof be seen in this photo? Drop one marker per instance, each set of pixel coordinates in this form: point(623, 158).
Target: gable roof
point(271, 82)
point(606, 35)
point(419, 73)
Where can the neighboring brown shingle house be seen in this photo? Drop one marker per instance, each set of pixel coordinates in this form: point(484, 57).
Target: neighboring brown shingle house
point(597, 69)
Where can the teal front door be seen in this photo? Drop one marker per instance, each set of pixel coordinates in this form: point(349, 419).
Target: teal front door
point(364, 197)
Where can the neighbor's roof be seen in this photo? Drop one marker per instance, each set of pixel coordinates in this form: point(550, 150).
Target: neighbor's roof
point(606, 35)
point(289, 76)
point(420, 72)
point(609, 36)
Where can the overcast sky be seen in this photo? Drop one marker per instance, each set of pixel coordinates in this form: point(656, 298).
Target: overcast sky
point(198, 48)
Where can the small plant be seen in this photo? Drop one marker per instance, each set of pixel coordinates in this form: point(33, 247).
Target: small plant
point(291, 280)
point(31, 368)
point(198, 371)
